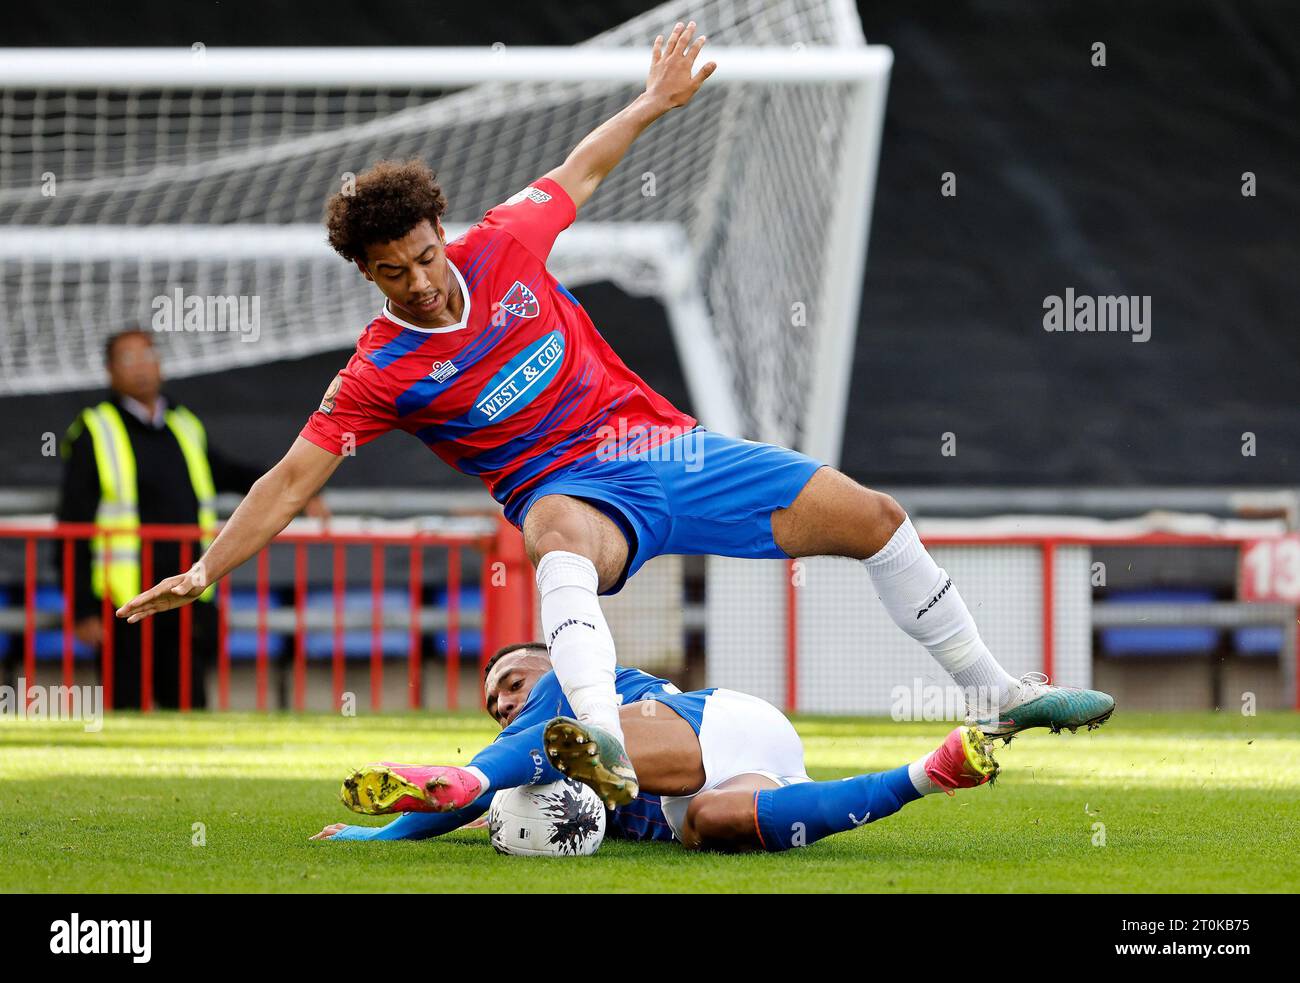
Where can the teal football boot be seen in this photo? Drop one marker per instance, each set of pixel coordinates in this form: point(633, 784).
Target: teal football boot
point(1058, 708)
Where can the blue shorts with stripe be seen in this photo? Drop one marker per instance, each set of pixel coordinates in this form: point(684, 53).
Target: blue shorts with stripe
point(699, 493)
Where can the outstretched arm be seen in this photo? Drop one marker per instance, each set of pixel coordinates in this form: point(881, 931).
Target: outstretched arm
point(513, 759)
point(274, 499)
point(409, 825)
point(669, 85)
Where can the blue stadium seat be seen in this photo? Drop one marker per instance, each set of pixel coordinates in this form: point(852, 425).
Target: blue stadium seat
point(1160, 639)
point(242, 645)
point(471, 643)
point(393, 642)
point(471, 639)
point(9, 643)
point(1259, 641)
point(49, 641)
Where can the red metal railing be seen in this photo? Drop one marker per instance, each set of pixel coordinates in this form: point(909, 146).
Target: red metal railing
point(508, 603)
point(506, 580)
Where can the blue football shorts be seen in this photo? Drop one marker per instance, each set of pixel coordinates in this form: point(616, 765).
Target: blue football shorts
point(699, 493)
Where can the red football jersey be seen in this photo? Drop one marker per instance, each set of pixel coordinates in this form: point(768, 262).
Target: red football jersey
point(508, 398)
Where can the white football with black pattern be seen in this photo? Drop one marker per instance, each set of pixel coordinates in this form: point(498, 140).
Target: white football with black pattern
point(563, 819)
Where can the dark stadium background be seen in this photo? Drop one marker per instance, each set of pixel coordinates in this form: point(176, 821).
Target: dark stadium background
point(1117, 180)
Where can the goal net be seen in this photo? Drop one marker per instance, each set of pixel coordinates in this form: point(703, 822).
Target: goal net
point(132, 181)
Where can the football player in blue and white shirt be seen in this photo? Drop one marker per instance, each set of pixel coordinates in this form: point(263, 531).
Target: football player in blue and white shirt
point(719, 769)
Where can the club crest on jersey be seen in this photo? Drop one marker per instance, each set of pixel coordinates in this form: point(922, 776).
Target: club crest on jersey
point(442, 371)
point(520, 301)
point(519, 381)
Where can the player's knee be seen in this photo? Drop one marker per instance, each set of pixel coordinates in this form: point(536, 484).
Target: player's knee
point(859, 506)
point(559, 523)
point(880, 516)
point(886, 513)
point(718, 821)
point(554, 540)
point(552, 527)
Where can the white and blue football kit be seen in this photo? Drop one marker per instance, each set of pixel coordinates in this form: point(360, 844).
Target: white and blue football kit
point(515, 758)
point(739, 734)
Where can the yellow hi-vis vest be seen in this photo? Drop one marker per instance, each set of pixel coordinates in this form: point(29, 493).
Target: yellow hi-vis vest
point(119, 504)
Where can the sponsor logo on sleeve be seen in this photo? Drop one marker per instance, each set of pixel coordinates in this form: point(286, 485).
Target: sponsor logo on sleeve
point(532, 194)
point(327, 401)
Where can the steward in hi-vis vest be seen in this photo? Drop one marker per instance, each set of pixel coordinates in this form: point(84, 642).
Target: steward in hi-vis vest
point(118, 512)
point(139, 458)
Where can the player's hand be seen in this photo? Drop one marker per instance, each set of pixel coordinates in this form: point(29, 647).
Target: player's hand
point(671, 81)
point(329, 831)
point(170, 593)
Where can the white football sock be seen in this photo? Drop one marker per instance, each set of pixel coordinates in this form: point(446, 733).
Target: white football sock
point(922, 600)
point(987, 685)
point(575, 631)
point(920, 780)
point(483, 783)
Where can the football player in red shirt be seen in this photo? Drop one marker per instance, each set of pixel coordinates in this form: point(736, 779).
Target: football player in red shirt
point(482, 355)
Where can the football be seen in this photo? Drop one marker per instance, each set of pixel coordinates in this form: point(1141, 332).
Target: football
point(563, 819)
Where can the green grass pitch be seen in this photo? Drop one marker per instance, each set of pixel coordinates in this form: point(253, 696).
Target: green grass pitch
point(1187, 802)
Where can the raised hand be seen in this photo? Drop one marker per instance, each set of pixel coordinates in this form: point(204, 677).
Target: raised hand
point(670, 79)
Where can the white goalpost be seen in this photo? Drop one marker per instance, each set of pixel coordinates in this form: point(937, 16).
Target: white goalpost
point(126, 175)
point(129, 175)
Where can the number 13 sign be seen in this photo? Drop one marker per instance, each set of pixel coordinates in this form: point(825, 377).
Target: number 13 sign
point(1270, 570)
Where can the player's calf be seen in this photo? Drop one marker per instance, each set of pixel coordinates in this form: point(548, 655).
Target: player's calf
point(802, 814)
point(835, 515)
point(578, 550)
point(721, 820)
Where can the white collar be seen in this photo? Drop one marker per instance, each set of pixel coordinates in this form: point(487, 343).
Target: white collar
point(141, 412)
point(385, 311)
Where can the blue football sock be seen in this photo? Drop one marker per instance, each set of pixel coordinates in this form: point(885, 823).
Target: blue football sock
point(797, 815)
point(516, 759)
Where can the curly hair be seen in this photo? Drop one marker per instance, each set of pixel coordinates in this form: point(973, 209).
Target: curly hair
point(387, 201)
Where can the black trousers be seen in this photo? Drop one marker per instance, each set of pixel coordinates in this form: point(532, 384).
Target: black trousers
point(166, 658)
